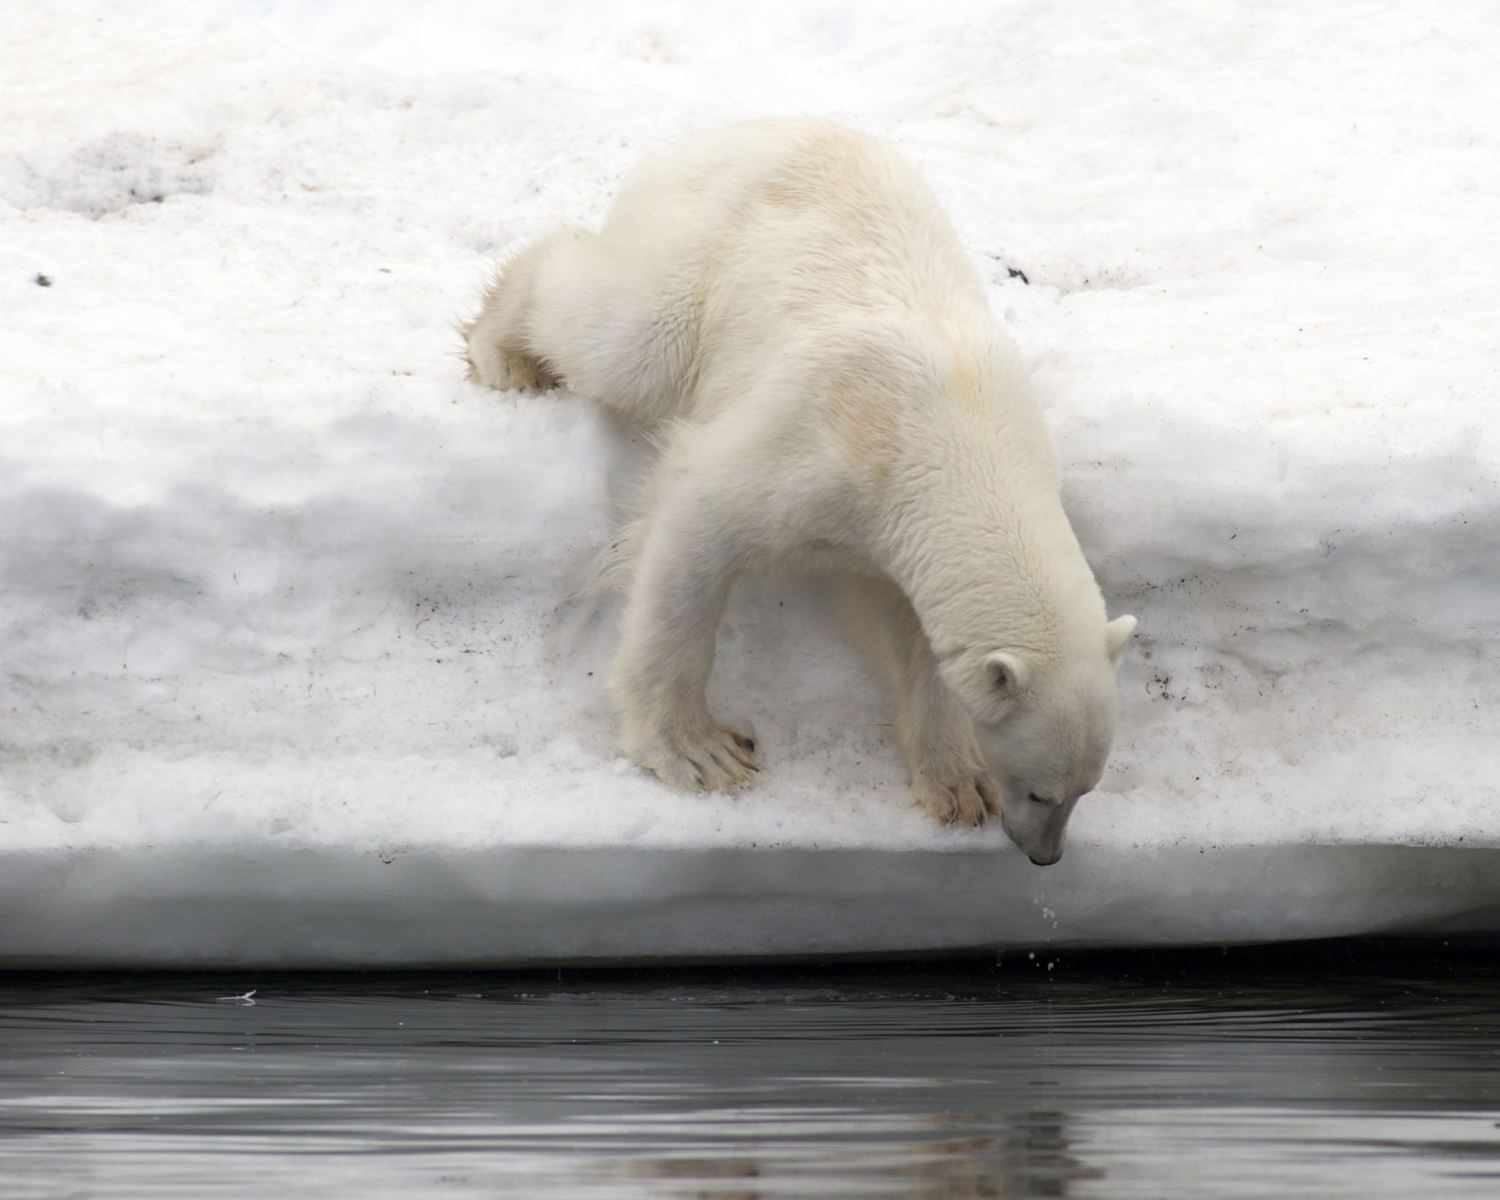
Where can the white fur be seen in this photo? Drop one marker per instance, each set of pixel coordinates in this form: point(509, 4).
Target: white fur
point(784, 304)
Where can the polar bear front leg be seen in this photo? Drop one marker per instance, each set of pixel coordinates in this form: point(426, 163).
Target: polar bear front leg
point(658, 682)
point(949, 777)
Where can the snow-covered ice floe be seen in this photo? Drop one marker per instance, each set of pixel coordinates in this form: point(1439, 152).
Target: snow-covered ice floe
point(291, 664)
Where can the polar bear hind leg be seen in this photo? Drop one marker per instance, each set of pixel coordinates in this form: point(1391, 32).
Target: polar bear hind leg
point(949, 777)
point(500, 342)
point(569, 310)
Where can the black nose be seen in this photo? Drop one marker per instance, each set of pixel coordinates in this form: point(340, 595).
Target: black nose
point(1043, 862)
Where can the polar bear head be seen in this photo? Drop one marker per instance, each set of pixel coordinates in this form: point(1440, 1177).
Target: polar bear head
point(1046, 731)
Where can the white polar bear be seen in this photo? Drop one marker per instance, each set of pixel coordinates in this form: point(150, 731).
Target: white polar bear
point(787, 306)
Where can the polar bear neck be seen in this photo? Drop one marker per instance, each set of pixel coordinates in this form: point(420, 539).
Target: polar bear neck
point(979, 539)
point(1009, 576)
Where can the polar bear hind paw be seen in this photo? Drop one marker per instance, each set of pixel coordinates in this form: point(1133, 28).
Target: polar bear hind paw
point(711, 759)
point(963, 799)
point(508, 370)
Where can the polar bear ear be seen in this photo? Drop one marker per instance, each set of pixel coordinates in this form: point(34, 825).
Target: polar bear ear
point(1116, 634)
point(1006, 673)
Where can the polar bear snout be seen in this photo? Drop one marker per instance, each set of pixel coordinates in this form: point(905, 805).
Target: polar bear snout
point(1046, 858)
point(1037, 826)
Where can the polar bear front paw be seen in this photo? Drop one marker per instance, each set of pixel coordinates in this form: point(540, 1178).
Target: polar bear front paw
point(962, 797)
point(712, 758)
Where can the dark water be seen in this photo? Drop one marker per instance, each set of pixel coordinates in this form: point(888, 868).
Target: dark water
point(1336, 1072)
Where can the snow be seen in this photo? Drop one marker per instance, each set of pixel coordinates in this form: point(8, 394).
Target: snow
point(288, 615)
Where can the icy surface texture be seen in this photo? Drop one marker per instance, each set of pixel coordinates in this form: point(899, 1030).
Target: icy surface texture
point(273, 577)
point(332, 906)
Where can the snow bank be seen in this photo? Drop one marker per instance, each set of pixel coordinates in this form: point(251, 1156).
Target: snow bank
point(285, 614)
point(246, 905)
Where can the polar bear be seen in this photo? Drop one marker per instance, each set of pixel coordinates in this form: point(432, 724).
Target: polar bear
point(785, 305)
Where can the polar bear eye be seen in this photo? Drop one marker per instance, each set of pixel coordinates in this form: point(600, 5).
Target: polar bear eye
point(1035, 799)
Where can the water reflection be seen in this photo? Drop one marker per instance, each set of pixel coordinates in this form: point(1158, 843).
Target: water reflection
point(1074, 1083)
point(1022, 1154)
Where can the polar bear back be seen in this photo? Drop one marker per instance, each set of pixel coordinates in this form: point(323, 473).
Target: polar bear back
point(751, 238)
